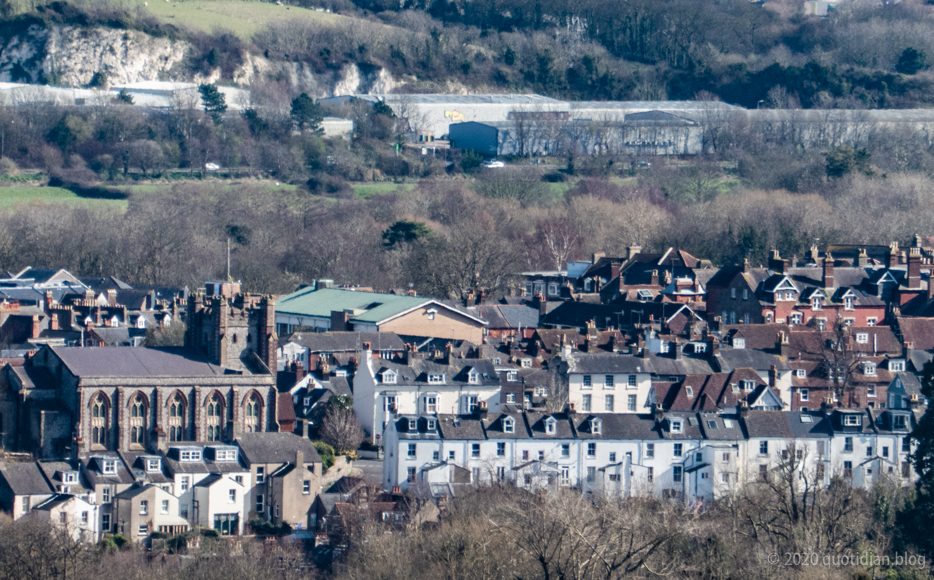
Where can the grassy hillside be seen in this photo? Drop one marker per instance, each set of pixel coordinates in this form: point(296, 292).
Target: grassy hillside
point(15, 195)
point(243, 18)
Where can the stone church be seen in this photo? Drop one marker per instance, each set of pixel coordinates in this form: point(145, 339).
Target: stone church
point(67, 401)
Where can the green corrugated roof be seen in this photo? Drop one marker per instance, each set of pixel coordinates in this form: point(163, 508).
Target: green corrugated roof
point(320, 303)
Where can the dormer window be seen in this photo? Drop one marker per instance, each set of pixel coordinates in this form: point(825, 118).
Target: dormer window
point(473, 378)
point(869, 369)
point(526, 363)
point(748, 385)
point(509, 425)
point(431, 424)
point(739, 342)
point(735, 387)
point(862, 338)
point(816, 303)
point(851, 420)
point(225, 454)
point(413, 426)
point(389, 377)
point(551, 425)
point(189, 455)
point(306, 402)
point(114, 322)
point(109, 466)
point(512, 376)
point(899, 421)
point(69, 477)
point(435, 379)
point(676, 425)
point(153, 464)
point(897, 366)
point(596, 426)
point(801, 373)
point(848, 303)
point(497, 360)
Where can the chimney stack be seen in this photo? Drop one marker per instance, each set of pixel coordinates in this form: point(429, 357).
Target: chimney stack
point(828, 271)
point(632, 251)
point(914, 268)
point(654, 281)
point(862, 260)
point(782, 344)
point(773, 376)
point(541, 303)
point(891, 255)
point(597, 256)
point(36, 326)
point(776, 263)
point(53, 322)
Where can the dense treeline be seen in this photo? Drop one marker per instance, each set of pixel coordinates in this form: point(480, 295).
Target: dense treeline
point(743, 52)
point(839, 532)
point(471, 240)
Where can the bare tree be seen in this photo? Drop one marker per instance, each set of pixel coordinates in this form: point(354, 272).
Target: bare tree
point(341, 429)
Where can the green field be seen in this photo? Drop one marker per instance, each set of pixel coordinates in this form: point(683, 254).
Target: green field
point(17, 195)
point(371, 189)
point(243, 18)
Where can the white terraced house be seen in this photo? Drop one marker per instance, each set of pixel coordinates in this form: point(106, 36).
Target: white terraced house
point(693, 456)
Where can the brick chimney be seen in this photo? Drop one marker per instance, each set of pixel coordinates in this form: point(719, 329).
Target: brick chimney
point(631, 252)
point(654, 278)
point(614, 270)
point(776, 263)
point(745, 264)
point(339, 319)
point(53, 322)
point(36, 326)
point(891, 256)
point(448, 354)
point(49, 300)
point(112, 297)
point(781, 344)
point(914, 268)
point(299, 370)
point(541, 303)
point(773, 376)
point(862, 260)
point(828, 271)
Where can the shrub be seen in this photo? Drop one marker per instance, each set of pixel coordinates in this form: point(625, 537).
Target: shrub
point(8, 166)
point(326, 452)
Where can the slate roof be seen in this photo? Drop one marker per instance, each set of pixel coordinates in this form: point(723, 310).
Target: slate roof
point(95, 477)
point(134, 362)
point(734, 358)
point(608, 364)
point(506, 315)
point(417, 371)
point(767, 424)
point(50, 467)
point(275, 447)
point(460, 427)
point(25, 478)
point(331, 342)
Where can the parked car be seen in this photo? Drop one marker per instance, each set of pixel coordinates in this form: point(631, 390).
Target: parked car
point(211, 166)
point(494, 164)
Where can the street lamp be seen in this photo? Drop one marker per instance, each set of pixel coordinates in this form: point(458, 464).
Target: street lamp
point(760, 102)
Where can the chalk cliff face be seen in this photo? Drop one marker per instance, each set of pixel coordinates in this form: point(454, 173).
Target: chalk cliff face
point(72, 57)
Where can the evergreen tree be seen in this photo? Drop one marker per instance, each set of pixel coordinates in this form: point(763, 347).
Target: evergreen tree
point(910, 62)
point(306, 114)
point(214, 102)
